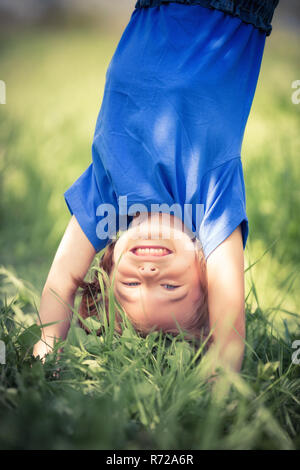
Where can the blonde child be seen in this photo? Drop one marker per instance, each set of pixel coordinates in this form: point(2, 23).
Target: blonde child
point(168, 140)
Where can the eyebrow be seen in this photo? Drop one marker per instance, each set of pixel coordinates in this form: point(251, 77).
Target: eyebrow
point(127, 299)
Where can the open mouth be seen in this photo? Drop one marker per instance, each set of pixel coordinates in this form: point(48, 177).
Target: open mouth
point(150, 251)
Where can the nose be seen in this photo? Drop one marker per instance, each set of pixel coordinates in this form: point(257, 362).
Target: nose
point(148, 269)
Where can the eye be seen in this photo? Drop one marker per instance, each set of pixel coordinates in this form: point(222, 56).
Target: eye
point(131, 284)
point(170, 286)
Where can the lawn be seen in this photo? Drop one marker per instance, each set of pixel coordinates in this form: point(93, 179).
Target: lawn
point(132, 392)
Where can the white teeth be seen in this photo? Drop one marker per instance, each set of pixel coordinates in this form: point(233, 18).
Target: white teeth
point(152, 251)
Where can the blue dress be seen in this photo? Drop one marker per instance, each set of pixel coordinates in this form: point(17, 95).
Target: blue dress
point(177, 97)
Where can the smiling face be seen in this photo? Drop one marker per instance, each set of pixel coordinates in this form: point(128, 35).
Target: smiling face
point(157, 279)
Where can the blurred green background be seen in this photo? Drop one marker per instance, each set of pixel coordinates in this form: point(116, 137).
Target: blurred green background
point(53, 59)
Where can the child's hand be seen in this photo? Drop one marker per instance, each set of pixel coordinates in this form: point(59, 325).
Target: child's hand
point(41, 349)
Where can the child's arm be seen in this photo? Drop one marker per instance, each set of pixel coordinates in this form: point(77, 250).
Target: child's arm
point(70, 265)
point(226, 303)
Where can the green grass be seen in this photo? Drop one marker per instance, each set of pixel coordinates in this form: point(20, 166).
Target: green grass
point(130, 392)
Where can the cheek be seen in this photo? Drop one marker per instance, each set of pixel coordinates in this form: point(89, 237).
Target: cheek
point(196, 293)
point(195, 286)
point(119, 249)
point(187, 264)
